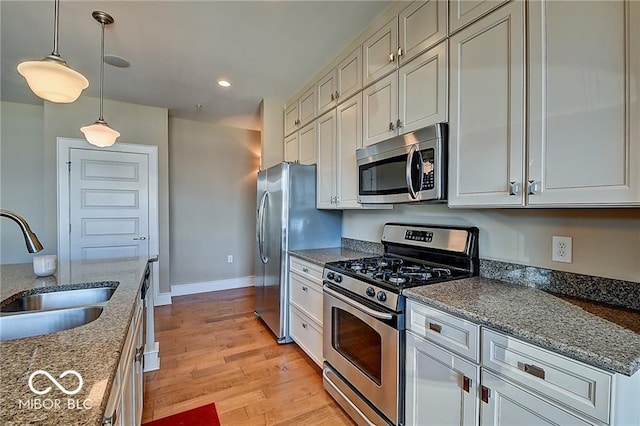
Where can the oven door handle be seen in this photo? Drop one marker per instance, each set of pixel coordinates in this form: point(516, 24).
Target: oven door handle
point(359, 306)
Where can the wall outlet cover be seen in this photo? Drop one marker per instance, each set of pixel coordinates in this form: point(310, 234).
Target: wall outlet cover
point(562, 249)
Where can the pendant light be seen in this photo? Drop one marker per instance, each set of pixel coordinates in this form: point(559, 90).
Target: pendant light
point(51, 78)
point(99, 133)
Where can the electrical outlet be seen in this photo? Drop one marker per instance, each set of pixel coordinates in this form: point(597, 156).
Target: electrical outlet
point(562, 249)
point(230, 258)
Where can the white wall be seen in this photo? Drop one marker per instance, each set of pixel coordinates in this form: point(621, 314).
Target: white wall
point(213, 201)
point(606, 242)
point(21, 178)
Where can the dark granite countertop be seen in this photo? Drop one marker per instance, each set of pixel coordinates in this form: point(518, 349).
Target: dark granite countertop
point(331, 254)
point(600, 335)
point(93, 350)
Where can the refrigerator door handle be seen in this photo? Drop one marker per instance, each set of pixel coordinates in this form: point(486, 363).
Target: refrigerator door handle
point(261, 220)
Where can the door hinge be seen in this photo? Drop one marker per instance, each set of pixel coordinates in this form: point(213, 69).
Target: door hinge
point(69, 228)
point(69, 166)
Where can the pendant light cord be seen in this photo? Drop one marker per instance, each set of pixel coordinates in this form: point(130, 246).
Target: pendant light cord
point(101, 70)
point(56, 19)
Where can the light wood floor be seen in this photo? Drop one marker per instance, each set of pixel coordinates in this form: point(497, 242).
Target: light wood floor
point(213, 349)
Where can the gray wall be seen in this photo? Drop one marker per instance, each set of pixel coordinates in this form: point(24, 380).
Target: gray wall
point(606, 242)
point(213, 173)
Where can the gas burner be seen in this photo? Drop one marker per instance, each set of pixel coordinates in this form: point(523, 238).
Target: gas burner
point(397, 280)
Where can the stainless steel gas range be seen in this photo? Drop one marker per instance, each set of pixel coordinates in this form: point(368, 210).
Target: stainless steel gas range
point(364, 313)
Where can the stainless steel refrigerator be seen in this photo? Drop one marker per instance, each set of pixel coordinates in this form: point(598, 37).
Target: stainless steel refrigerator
point(287, 219)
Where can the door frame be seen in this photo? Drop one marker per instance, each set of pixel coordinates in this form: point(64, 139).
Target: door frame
point(64, 147)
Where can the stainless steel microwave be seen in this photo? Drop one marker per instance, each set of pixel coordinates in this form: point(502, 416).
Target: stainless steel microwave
point(406, 168)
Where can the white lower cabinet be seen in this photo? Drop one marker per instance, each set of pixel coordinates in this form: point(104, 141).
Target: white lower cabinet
point(124, 407)
point(441, 387)
point(305, 307)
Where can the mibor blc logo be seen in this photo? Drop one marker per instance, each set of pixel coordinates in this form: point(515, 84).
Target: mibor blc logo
point(57, 403)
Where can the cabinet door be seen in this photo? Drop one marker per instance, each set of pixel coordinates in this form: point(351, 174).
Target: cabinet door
point(423, 90)
point(441, 388)
point(326, 182)
point(307, 106)
point(307, 141)
point(291, 148)
point(584, 103)
point(464, 12)
point(349, 74)
point(422, 24)
point(487, 128)
point(508, 405)
point(291, 119)
point(326, 90)
point(380, 52)
point(380, 110)
point(138, 370)
point(349, 138)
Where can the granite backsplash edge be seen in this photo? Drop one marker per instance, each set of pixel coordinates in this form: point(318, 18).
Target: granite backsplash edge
point(598, 289)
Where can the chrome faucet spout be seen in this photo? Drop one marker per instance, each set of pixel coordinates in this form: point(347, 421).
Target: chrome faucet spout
point(30, 238)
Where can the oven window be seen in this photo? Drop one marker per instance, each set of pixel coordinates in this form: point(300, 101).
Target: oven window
point(384, 177)
point(359, 343)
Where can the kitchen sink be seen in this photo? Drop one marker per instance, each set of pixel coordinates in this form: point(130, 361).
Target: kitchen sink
point(30, 324)
point(60, 299)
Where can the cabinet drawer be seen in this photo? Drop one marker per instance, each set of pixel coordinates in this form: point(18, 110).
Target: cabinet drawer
point(306, 334)
point(570, 382)
point(306, 269)
point(307, 296)
point(457, 335)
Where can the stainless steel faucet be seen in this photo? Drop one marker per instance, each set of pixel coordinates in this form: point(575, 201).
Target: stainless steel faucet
point(30, 238)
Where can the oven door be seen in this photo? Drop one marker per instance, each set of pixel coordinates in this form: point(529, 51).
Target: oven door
point(411, 173)
point(363, 344)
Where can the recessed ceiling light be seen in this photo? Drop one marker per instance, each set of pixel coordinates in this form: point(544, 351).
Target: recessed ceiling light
point(224, 83)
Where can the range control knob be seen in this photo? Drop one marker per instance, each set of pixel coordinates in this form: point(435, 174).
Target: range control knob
point(382, 296)
point(338, 278)
point(330, 275)
point(370, 292)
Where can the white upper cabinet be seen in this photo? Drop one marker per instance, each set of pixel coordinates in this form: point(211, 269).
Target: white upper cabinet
point(326, 89)
point(307, 141)
point(380, 52)
point(349, 75)
point(307, 106)
point(348, 139)
point(421, 25)
point(291, 118)
point(487, 115)
point(291, 148)
point(380, 110)
point(423, 90)
point(584, 144)
point(326, 165)
point(464, 12)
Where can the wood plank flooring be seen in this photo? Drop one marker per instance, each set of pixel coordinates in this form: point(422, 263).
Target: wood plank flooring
point(213, 349)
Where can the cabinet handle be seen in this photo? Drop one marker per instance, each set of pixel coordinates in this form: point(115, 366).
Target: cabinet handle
point(485, 394)
point(391, 127)
point(435, 327)
point(305, 269)
point(333, 97)
point(304, 325)
point(533, 187)
point(398, 123)
point(533, 370)
point(466, 384)
point(305, 288)
point(391, 57)
point(514, 188)
point(337, 95)
point(140, 238)
point(400, 52)
point(139, 353)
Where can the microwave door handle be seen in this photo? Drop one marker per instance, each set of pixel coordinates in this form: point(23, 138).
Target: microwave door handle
point(412, 154)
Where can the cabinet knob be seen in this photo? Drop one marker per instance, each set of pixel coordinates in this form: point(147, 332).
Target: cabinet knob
point(514, 188)
point(391, 127)
point(305, 288)
point(333, 97)
point(305, 270)
point(304, 325)
point(140, 238)
point(392, 57)
point(337, 95)
point(398, 123)
point(533, 187)
point(400, 51)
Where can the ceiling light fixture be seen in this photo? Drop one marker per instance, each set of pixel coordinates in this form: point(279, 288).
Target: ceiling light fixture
point(224, 83)
point(51, 78)
point(99, 133)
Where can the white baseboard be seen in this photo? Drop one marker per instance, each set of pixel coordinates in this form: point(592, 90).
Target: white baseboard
point(207, 286)
point(162, 299)
point(151, 358)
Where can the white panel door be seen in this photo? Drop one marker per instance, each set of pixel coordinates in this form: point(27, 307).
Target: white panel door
point(380, 110)
point(349, 74)
point(108, 204)
point(422, 25)
point(464, 12)
point(326, 167)
point(307, 141)
point(326, 92)
point(291, 148)
point(380, 52)
point(349, 138)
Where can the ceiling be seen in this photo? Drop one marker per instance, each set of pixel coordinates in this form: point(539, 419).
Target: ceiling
point(178, 49)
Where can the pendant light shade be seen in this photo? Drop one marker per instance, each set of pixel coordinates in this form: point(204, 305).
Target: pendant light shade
point(99, 133)
point(51, 78)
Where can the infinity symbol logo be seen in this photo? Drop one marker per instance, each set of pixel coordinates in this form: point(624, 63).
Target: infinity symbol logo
point(55, 382)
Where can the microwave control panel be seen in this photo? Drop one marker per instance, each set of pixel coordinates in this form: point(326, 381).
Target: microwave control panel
point(428, 179)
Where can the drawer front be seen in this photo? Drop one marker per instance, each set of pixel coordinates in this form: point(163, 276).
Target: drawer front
point(306, 334)
point(570, 382)
point(453, 333)
point(308, 270)
point(307, 296)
